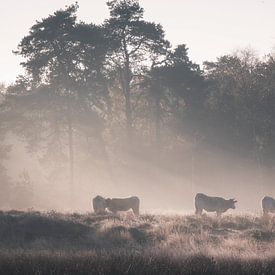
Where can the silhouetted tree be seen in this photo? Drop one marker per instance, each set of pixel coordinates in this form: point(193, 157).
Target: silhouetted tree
point(177, 88)
point(61, 65)
point(230, 85)
point(263, 113)
point(137, 45)
point(241, 103)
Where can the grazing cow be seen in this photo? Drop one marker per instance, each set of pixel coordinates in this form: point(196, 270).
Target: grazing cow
point(99, 205)
point(115, 205)
point(268, 205)
point(213, 204)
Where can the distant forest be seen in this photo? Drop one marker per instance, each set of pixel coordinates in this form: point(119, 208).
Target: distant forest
point(98, 97)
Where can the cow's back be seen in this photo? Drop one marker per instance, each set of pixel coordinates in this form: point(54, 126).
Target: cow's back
point(208, 203)
point(203, 201)
point(123, 204)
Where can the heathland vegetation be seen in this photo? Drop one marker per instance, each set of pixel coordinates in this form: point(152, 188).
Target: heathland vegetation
point(56, 243)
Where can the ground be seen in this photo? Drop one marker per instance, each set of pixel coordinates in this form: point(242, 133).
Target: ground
point(56, 243)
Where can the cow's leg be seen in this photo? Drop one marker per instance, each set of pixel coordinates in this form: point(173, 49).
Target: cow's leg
point(136, 211)
point(198, 211)
point(265, 213)
point(135, 206)
point(114, 215)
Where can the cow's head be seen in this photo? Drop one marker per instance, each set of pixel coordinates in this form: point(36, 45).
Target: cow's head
point(99, 204)
point(232, 203)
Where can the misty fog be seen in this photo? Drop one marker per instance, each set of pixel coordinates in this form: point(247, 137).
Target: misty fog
point(162, 187)
point(115, 110)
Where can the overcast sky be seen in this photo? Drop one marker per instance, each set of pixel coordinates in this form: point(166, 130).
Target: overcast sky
point(210, 28)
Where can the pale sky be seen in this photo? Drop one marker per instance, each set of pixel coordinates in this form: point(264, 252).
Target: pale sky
point(210, 28)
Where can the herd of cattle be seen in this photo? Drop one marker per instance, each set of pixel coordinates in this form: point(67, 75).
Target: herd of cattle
point(202, 202)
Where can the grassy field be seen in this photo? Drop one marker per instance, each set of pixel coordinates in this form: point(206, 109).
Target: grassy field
point(56, 243)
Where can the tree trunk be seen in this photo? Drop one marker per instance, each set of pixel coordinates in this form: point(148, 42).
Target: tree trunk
point(157, 121)
point(71, 151)
point(129, 118)
point(127, 94)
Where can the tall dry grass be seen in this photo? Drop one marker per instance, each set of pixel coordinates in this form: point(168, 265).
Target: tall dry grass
point(56, 243)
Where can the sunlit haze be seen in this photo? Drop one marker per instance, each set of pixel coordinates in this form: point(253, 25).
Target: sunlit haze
point(137, 137)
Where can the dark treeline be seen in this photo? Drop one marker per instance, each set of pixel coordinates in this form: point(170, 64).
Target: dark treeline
point(117, 98)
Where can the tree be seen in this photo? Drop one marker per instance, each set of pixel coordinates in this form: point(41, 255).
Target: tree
point(263, 109)
point(62, 62)
point(176, 87)
point(137, 45)
point(240, 103)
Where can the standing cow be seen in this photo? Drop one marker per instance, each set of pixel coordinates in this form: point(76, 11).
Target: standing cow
point(116, 205)
point(100, 205)
point(268, 205)
point(213, 204)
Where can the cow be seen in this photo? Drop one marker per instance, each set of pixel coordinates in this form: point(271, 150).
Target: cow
point(268, 205)
point(99, 205)
point(115, 205)
point(213, 204)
